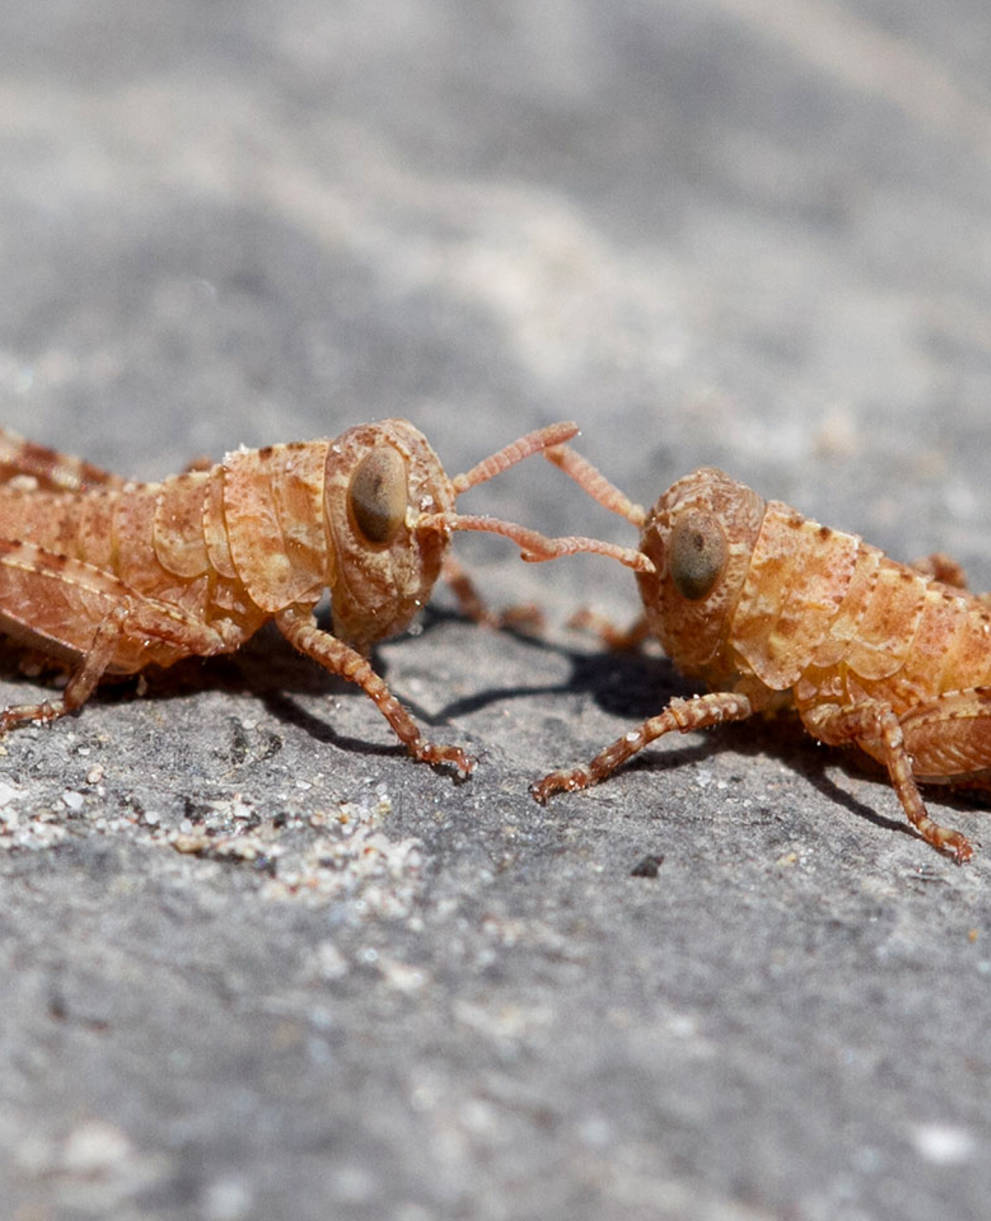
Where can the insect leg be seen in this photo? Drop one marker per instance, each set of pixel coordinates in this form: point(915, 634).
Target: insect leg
point(524, 618)
point(82, 682)
point(91, 621)
point(620, 639)
point(47, 470)
point(949, 739)
point(699, 712)
point(470, 601)
point(875, 728)
point(943, 568)
point(300, 628)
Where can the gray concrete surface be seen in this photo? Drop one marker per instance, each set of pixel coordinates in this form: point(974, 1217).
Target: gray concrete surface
point(733, 231)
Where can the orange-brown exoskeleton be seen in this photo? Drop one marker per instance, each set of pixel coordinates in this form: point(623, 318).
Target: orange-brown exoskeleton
point(109, 576)
point(772, 610)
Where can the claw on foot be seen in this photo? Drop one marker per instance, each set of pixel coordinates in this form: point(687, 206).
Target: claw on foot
point(956, 846)
point(560, 782)
point(447, 756)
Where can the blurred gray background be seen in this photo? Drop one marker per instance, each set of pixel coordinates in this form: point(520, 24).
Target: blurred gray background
point(749, 232)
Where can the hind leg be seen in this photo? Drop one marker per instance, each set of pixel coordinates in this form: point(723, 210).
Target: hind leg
point(876, 729)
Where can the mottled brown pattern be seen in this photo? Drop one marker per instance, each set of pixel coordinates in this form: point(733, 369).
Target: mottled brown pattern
point(110, 576)
point(890, 658)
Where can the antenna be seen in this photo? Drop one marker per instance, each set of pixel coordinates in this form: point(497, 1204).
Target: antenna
point(536, 547)
point(592, 481)
point(532, 443)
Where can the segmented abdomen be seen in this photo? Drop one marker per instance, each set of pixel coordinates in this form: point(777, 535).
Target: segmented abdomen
point(255, 520)
point(817, 601)
point(118, 531)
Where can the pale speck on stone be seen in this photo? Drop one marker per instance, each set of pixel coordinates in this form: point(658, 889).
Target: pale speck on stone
point(353, 1184)
point(330, 962)
point(943, 1144)
point(227, 1199)
point(240, 809)
point(9, 793)
point(95, 1147)
point(401, 975)
point(595, 1131)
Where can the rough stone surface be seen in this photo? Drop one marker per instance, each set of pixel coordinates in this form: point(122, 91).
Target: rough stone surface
point(255, 963)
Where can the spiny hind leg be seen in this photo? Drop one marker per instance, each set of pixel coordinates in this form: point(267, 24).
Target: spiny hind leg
point(875, 728)
point(83, 680)
point(65, 608)
point(699, 712)
point(949, 739)
point(300, 629)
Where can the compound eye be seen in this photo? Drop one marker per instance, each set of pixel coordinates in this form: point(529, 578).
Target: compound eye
point(377, 494)
point(697, 553)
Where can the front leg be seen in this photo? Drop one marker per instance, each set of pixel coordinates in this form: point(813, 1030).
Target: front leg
point(526, 618)
point(618, 639)
point(699, 712)
point(300, 628)
point(876, 729)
